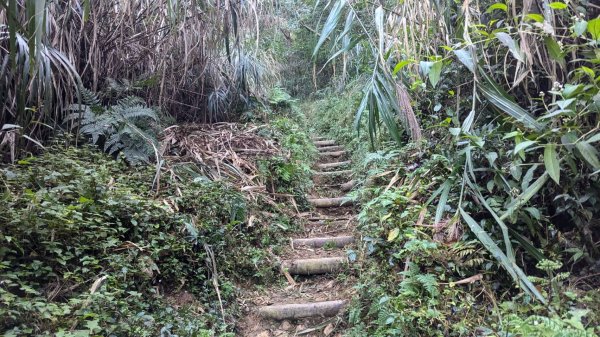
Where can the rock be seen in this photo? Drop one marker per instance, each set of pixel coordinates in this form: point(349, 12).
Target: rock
point(286, 325)
point(264, 334)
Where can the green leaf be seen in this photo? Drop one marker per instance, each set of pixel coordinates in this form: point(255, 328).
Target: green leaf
point(535, 17)
point(498, 6)
point(580, 27)
point(439, 212)
point(401, 65)
point(501, 100)
point(594, 138)
point(558, 5)
point(330, 24)
point(551, 162)
point(555, 51)
point(517, 274)
point(589, 153)
point(524, 197)
point(509, 42)
point(593, 28)
point(464, 56)
point(523, 145)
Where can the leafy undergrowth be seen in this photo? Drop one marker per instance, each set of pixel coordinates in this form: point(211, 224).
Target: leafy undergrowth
point(433, 277)
point(89, 248)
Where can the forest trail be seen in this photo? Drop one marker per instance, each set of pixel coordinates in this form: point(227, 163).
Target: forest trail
point(317, 278)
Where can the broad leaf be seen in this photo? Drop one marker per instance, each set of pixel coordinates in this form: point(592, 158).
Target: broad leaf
point(508, 41)
point(593, 28)
point(551, 162)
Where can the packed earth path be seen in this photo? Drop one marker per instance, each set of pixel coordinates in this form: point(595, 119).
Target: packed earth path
point(316, 268)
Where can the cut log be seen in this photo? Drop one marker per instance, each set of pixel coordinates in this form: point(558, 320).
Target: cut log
point(304, 310)
point(333, 173)
point(318, 138)
point(321, 143)
point(331, 202)
point(348, 186)
point(332, 154)
point(331, 148)
point(334, 241)
point(334, 165)
point(317, 266)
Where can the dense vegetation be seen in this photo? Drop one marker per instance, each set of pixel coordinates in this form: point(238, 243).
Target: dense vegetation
point(474, 127)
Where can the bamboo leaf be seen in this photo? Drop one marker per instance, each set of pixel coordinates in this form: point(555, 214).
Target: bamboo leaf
point(551, 162)
point(515, 272)
point(509, 42)
point(330, 24)
point(439, 212)
point(465, 57)
point(524, 197)
point(500, 99)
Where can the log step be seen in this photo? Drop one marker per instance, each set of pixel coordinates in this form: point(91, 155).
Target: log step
point(332, 173)
point(302, 310)
point(334, 165)
point(335, 241)
point(321, 143)
point(332, 154)
point(331, 148)
point(318, 138)
point(331, 202)
point(324, 265)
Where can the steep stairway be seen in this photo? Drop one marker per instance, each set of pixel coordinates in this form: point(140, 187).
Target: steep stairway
point(316, 265)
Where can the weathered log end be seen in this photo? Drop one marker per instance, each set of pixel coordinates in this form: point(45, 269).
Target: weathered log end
point(304, 310)
point(345, 187)
point(324, 265)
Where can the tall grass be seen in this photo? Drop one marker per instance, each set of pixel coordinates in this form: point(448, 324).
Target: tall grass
point(197, 60)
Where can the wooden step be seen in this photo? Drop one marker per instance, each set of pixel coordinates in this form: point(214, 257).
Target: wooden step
point(334, 165)
point(331, 202)
point(332, 154)
point(318, 138)
point(335, 241)
point(331, 148)
point(321, 143)
point(301, 310)
point(323, 265)
point(332, 173)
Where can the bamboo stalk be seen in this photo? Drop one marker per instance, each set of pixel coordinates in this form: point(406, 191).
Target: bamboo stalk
point(316, 266)
point(321, 143)
point(331, 148)
point(334, 165)
point(332, 173)
point(332, 154)
point(295, 311)
point(335, 241)
point(331, 202)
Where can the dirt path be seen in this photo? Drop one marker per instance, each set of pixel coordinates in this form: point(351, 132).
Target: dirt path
point(317, 279)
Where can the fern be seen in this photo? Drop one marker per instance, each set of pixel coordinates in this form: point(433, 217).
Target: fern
point(128, 127)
